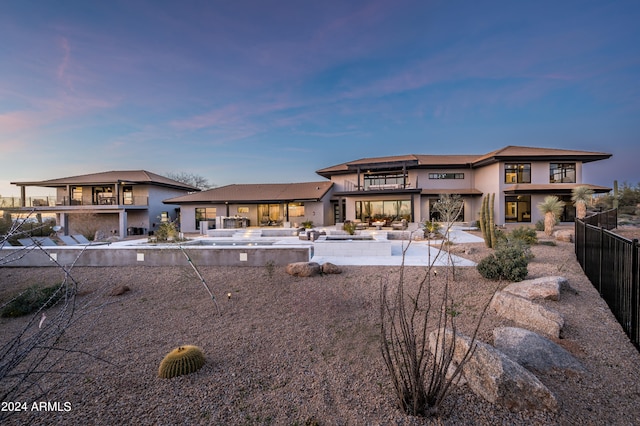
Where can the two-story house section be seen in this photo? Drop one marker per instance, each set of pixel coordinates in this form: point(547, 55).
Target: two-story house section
point(386, 189)
point(119, 203)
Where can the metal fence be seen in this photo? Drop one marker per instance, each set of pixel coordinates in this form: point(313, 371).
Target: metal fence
point(612, 264)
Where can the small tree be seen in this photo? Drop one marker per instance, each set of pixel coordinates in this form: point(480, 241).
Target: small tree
point(192, 179)
point(580, 196)
point(551, 208)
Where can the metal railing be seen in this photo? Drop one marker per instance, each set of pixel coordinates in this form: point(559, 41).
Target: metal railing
point(53, 201)
point(612, 264)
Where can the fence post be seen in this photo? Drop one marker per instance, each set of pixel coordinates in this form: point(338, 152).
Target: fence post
point(634, 331)
point(600, 255)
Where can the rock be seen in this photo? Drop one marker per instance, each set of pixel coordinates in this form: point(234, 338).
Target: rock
point(528, 314)
point(119, 290)
point(533, 351)
point(540, 288)
point(303, 269)
point(495, 377)
point(330, 268)
point(566, 235)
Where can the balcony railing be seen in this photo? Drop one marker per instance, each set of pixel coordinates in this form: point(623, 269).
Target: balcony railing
point(352, 187)
point(53, 201)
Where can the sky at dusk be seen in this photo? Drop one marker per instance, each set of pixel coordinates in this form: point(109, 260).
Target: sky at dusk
point(271, 91)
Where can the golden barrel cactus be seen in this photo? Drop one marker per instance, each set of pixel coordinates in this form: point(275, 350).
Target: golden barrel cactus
point(182, 360)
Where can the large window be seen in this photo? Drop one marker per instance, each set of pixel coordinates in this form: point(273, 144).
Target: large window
point(206, 213)
point(384, 181)
point(562, 173)
point(270, 214)
point(517, 208)
point(387, 211)
point(296, 210)
point(517, 173)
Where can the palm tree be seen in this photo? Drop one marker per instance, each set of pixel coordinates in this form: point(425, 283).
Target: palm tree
point(580, 196)
point(551, 208)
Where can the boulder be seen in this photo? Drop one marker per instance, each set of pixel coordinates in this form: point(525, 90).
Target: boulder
point(533, 351)
point(566, 235)
point(494, 376)
point(539, 288)
point(330, 268)
point(303, 269)
point(119, 290)
point(528, 314)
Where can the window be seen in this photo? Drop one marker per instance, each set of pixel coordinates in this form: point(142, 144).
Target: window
point(76, 195)
point(383, 210)
point(127, 195)
point(517, 173)
point(446, 175)
point(389, 180)
point(208, 213)
point(562, 173)
point(517, 208)
point(103, 195)
point(244, 210)
point(296, 210)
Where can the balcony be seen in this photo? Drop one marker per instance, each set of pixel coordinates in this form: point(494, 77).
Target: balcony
point(390, 187)
point(60, 203)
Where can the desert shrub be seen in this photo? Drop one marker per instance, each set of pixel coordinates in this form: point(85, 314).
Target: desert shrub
point(307, 224)
point(526, 234)
point(631, 210)
point(509, 262)
point(431, 228)
point(167, 231)
point(540, 225)
point(349, 227)
point(31, 300)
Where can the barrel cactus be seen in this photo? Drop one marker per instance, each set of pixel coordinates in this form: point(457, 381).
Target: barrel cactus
point(182, 360)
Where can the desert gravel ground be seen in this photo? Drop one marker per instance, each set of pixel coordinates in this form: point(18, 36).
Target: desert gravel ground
point(288, 350)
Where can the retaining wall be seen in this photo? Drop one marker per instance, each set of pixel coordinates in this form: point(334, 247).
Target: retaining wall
point(155, 256)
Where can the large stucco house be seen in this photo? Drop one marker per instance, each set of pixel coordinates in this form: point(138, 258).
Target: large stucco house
point(119, 203)
point(408, 186)
point(389, 189)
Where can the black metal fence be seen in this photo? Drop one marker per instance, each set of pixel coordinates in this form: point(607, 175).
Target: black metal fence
point(612, 264)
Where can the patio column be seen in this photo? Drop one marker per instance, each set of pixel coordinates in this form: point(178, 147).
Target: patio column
point(23, 196)
point(122, 218)
point(63, 220)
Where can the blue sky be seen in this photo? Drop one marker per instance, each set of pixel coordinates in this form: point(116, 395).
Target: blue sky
point(257, 91)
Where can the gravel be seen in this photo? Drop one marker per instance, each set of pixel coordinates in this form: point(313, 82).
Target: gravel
point(288, 350)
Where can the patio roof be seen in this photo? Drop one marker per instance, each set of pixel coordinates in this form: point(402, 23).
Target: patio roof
point(109, 178)
point(257, 193)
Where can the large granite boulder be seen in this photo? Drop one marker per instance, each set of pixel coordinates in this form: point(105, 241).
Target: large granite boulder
point(528, 314)
point(540, 288)
point(303, 269)
point(533, 351)
point(566, 235)
point(330, 268)
point(494, 376)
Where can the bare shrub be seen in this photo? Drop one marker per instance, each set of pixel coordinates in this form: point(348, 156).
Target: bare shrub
point(408, 314)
